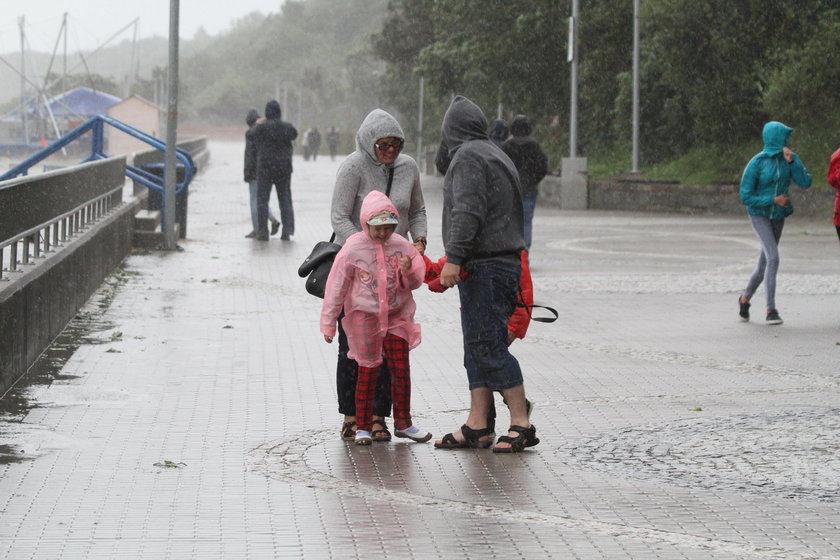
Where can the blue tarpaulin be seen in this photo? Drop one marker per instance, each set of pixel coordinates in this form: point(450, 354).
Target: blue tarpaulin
point(81, 102)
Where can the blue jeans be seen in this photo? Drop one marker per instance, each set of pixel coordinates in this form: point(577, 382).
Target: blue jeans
point(769, 233)
point(529, 204)
point(283, 182)
point(488, 298)
point(252, 191)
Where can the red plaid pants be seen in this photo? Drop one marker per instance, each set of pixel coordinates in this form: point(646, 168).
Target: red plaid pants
point(396, 353)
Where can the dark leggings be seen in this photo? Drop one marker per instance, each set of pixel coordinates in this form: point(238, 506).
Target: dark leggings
point(346, 376)
point(838, 231)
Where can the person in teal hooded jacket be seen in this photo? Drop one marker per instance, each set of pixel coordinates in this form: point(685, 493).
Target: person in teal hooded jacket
point(765, 188)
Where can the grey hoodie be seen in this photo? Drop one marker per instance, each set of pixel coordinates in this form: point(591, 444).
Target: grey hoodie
point(361, 172)
point(482, 205)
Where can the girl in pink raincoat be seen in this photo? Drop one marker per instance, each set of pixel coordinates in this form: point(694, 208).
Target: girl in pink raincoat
point(372, 279)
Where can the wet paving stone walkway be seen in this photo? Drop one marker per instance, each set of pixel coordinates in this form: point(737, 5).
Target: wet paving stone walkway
point(189, 411)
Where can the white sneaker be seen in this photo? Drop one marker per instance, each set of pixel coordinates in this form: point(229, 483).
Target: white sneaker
point(414, 433)
point(363, 437)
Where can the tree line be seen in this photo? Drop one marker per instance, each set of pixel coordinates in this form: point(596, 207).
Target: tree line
point(711, 72)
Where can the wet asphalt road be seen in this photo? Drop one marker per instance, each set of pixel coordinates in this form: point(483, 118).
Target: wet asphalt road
point(189, 411)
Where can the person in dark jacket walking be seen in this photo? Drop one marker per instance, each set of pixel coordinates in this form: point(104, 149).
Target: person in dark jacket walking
point(498, 132)
point(483, 234)
point(250, 175)
point(531, 163)
point(314, 142)
point(332, 142)
point(273, 139)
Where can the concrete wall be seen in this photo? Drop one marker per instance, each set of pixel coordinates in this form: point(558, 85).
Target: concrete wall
point(635, 195)
point(37, 304)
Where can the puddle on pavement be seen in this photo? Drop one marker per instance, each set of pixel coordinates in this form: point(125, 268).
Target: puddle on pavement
point(82, 329)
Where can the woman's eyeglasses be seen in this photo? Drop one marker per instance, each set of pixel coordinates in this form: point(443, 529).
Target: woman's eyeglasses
point(385, 146)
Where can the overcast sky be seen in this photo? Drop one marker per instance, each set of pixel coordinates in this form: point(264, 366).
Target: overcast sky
point(92, 22)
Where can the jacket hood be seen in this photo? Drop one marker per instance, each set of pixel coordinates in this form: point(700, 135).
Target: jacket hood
point(251, 117)
point(464, 121)
point(374, 203)
point(498, 130)
point(520, 126)
point(377, 124)
point(272, 110)
point(775, 135)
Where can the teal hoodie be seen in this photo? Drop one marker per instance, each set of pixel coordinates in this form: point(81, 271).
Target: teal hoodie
point(768, 175)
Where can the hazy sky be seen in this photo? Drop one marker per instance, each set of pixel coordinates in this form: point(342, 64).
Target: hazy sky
point(92, 22)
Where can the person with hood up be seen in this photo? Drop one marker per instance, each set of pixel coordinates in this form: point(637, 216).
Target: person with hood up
point(499, 132)
point(273, 139)
point(531, 163)
point(483, 234)
point(372, 279)
point(250, 175)
point(377, 164)
point(765, 187)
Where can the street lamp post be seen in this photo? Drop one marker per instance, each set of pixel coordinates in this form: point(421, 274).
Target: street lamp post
point(170, 169)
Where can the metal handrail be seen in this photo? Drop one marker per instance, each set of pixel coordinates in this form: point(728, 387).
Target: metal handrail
point(96, 126)
point(41, 239)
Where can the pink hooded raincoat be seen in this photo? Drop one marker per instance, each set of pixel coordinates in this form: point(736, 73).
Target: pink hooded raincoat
point(366, 281)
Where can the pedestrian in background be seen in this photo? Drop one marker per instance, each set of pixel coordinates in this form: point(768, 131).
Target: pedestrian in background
point(765, 188)
point(332, 142)
point(377, 164)
point(483, 235)
point(834, 181)
point(372, 279)
point(250, 175)
point(273, 139)
point(498, 132)
point(531, 163)
point(314, 142)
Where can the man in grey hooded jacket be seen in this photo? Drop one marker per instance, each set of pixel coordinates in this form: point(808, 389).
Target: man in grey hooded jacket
point(483, 234)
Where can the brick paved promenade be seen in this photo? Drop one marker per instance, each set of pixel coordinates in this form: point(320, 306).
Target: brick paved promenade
point(190, 412)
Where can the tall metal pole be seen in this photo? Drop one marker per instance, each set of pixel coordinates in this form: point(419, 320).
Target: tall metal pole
point(636, 10)
point(23, 116)
point(573, 58)
point(170, 169)
point(420, 126)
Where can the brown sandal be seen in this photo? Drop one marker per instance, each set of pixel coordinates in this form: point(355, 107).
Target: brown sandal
point(348, 431)
point(380, 434)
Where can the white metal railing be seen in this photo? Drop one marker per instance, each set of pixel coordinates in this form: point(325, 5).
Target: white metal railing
point(27, 247)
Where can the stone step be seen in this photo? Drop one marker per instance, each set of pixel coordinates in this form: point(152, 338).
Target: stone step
point(152, 239)
point(147, 220)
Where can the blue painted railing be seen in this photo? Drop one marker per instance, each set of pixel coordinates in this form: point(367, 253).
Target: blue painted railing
point(95, 125)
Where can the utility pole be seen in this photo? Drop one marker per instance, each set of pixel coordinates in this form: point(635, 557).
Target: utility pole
point(23, 115)
point(170, 167)
point(636, 10)
point(420, 127)
point(574, 194)
point(573, 78)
